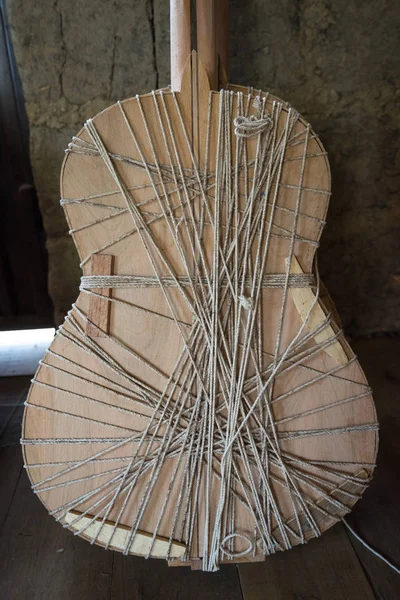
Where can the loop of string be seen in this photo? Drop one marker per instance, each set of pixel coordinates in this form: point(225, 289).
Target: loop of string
point(248, 127)
point(240, 536)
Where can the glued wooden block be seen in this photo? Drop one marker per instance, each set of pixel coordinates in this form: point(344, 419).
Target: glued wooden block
point(99, 308)
point(303, 299)
point(140, 544)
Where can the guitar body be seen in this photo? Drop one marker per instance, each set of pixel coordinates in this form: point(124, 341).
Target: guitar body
point(201, 402)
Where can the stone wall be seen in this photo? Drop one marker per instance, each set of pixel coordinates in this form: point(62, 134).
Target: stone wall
point(336, 62)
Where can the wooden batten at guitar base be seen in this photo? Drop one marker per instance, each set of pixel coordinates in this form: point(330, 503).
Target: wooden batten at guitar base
point(141, 544)
point(200, 403)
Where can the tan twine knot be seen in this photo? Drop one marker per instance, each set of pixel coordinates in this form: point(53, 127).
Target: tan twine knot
point(247, 127)
point(245, 302)
point(252, 125)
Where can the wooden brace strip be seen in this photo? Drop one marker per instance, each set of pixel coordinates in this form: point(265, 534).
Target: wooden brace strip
point(140, 544)
point(303, 299)
point(99, 308)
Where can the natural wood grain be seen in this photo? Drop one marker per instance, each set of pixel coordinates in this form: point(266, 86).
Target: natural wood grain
point(323, 504)
point(158, 341)
point(99, 308)
point(40, 560)
point(11, 466)
point(377, 517)
point(304, 298)
point(136, 578)
point(141, 544)
point(324, 568)
point(222, 18)
point(12, 395)
point(321, 569)
point(207, 39)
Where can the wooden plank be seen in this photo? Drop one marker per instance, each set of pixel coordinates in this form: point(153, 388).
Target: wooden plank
point(326, 567)
point(135, 577)
point(377, 517)
point(140, 544)
point(79, 405)
point(13, 391)
point(12, 395)
point(207, 39)
point(11, 467)
point(305, 571)
point(222, 19)
point(37, 556)
point(99, 308)
point(303, 299)
point(39, 559)
point(323, 503)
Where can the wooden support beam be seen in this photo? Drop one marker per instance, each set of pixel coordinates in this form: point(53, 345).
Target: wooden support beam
point(180, 40)
point(140, 544)
point(99, 308)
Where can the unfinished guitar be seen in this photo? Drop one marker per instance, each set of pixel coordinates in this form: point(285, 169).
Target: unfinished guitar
point(200, 402)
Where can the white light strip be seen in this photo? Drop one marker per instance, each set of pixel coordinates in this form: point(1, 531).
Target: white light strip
point(26, 337)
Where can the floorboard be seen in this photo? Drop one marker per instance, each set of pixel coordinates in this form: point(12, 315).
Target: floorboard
point(325, 568)
point(39, 560)
point(137, 578)
point(10, 472)
point(377, 516)
point(12, 393)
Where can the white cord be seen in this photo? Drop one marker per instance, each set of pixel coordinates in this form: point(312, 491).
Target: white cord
point(391, 565)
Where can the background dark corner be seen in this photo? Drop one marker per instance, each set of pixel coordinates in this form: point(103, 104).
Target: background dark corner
point(338, 64)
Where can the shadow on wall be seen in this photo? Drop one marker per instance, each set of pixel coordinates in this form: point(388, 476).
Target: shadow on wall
point(335, 62)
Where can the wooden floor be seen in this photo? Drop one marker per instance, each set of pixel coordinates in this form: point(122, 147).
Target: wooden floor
point(41, 561)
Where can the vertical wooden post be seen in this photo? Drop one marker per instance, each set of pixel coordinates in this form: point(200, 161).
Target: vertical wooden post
point(180, 39)
point(207, 39)
point(222, 40)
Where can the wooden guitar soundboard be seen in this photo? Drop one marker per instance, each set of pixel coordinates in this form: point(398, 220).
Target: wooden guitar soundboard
point(199, 403)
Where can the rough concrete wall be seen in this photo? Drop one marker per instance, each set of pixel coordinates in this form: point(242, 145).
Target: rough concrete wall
point(336, 62)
